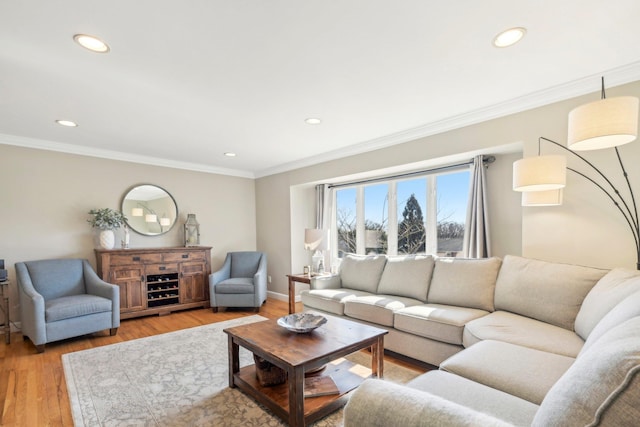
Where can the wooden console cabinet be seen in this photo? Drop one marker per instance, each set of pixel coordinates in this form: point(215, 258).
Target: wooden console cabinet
point(157, 280)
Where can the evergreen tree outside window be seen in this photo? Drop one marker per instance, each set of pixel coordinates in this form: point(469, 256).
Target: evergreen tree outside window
point(411, 231)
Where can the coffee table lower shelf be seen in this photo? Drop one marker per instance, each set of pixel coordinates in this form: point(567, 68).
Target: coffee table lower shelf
point(346, 374)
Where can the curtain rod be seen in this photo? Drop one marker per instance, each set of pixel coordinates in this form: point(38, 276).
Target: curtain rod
point(486, 160)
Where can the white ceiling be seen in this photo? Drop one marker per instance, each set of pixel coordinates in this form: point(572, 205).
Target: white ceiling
point(186, 81)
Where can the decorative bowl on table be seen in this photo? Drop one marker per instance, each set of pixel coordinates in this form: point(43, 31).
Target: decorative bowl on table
point(301, 322)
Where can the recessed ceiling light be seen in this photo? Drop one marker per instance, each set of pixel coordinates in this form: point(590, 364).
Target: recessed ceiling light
point(509, 37)
point(230, 154)
point(313, 121)
point(67, 123)
point(92, 43)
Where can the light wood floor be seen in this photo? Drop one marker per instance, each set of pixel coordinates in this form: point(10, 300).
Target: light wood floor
point(33, 391)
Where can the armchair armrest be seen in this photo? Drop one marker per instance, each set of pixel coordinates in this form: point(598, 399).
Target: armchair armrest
point(31, 306)
point(260, 281)
point(382, 403)
point(222, 274)
point(96, 286)
point(326, 282)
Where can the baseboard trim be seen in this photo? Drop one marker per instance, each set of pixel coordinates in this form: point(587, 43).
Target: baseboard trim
point(282, 297)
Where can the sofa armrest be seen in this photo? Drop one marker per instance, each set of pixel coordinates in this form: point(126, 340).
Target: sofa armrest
point(382, 403)
point(326, 282)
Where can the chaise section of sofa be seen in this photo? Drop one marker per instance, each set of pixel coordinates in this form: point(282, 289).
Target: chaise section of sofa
point(602, 387)
point(515, 383)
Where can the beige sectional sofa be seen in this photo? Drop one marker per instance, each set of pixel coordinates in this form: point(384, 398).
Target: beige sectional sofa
point(518, 341)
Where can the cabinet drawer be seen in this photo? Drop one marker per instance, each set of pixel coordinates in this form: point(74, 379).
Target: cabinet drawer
point(161, 268)
point(135, 259)
point(183, 256)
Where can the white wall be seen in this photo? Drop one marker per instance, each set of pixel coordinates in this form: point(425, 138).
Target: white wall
point(586, 230)
point(45, 198)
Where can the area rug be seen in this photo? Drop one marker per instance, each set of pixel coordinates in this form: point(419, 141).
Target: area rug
point(174, 379)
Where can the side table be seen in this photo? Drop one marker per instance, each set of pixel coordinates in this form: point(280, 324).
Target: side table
point(293, 278)
point(4, 307)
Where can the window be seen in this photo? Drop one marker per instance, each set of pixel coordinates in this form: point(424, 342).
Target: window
point(423, 214)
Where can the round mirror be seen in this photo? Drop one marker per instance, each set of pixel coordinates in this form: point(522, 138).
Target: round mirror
point(150, 210)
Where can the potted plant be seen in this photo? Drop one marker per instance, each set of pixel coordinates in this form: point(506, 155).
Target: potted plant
point(106, 220)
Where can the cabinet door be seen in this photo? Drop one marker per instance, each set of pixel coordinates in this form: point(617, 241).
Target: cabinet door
point(193, 282)
point(132, 293)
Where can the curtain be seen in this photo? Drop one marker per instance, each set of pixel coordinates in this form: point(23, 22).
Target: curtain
point(476, 232)
point(324, 216)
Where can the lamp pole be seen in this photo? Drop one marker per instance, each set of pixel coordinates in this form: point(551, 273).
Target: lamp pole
point(629, 214)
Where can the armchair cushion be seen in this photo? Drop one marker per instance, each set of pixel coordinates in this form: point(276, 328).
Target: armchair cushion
point(236, 285)
point(75, 306)
point(245, 264)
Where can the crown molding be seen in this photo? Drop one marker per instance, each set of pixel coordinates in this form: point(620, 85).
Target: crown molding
point(614, 77)
point(585, 85)
point(41, 144)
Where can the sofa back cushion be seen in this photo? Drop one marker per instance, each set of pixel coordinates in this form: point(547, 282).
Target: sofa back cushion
point(407, 276)
point(626, 309)
point(464, 282)
point(609, 291)
point(546, 291)
point(602, 387)
point(362, 272)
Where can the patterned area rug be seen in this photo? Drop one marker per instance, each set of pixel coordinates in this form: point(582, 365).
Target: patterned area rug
point(174, 379)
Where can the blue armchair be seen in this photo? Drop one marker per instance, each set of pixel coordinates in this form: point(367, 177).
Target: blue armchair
point(241, 282)
point(64, 298)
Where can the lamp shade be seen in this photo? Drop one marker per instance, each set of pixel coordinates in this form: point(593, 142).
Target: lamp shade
point(137, 212)
point(603, 124)
point(542, 198)
point(316, 239)
point(540, 173)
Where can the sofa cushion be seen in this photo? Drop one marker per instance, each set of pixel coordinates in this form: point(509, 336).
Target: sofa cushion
point(521, 371)
point(377, 309)
point(435, 321)
point(329, 300)
point(407, 276)
point(603, 385)
point(75, 306)
point(464, 282)
point(476, 396)
point(362, 273)
point(550, 292)
point(609, 291)
point(520, 330)
point(626, 309)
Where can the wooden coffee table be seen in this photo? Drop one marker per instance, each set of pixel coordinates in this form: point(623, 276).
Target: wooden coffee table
point(300, 353)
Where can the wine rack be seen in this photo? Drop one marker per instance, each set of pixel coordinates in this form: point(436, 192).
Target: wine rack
point(162, 289)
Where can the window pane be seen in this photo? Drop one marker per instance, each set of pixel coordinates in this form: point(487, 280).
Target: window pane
point(346, 221)
point(376, 215)
point(411, 196)
point(453, 197)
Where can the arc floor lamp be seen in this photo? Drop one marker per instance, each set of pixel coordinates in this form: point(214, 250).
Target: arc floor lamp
point(607, 123)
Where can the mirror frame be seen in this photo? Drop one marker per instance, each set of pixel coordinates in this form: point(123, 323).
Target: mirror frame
point(143, 232)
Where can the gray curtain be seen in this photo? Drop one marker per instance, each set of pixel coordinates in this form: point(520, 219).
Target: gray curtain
point(476, 232)
point(320, 202)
